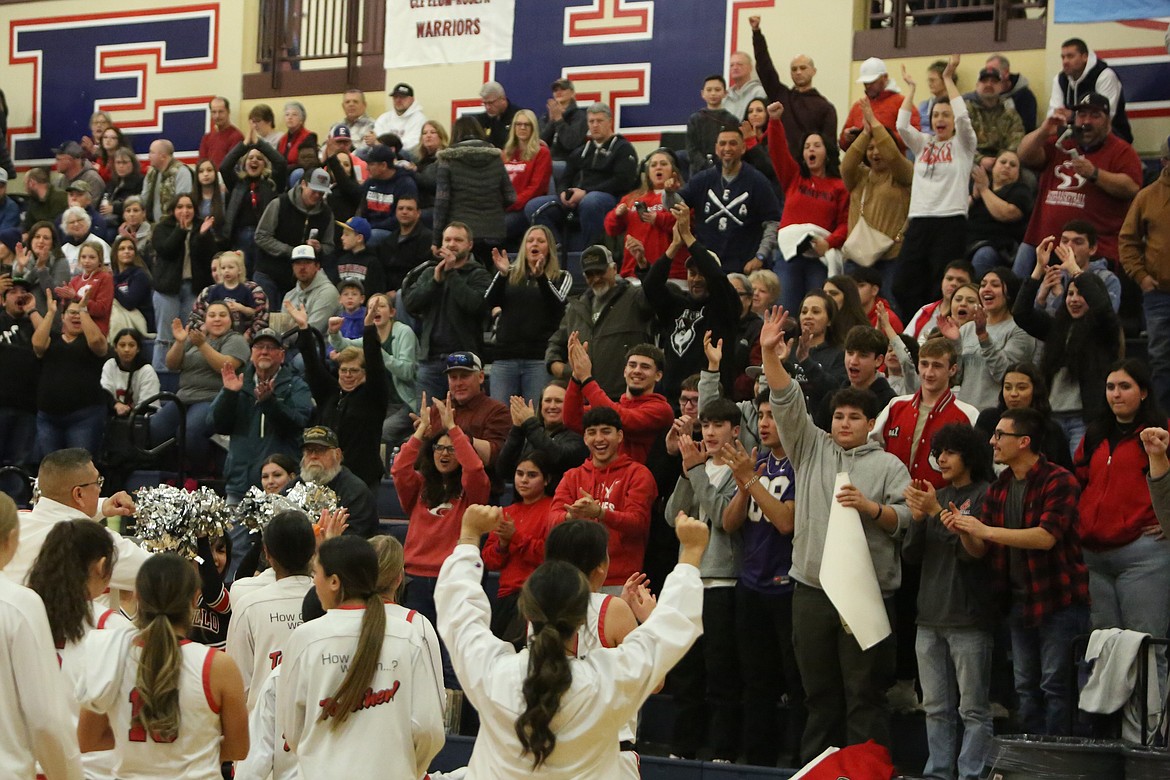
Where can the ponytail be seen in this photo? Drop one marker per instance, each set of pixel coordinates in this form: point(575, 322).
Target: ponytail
point(555, 599)
point(166, 587)
point(355, 563)
point(60, 575)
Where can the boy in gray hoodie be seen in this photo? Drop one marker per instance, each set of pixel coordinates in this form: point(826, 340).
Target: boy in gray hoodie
point(844, 685)
point(704, 490)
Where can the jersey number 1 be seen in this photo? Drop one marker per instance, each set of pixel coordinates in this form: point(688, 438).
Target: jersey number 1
point(137, 730)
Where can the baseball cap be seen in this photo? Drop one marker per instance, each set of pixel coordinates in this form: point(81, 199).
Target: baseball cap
point(25, 284)
point(10, 237)
point(1094, 101)
point(872, 70)
point(596, 258)
point(380, 153)
point(463, 361)
point(270, 334)
point(319, 181)
point(79, 186)
point(339, 130)
point(402, 89)
point(989, 73)
point(562, 83)
point(359, 225)
point(304, 252)
point(71, 148)
point(348, 282)
point(3, 176)
point(319, 436)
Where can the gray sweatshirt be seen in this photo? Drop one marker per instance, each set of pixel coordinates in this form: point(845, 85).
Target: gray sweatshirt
point(816, 458)
point(1160, 496)
point(710, 388)
point(699, 496)
point(956, 589)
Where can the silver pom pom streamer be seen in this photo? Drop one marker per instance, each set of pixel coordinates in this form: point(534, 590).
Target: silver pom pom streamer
point(257, 507)
point(170, 519)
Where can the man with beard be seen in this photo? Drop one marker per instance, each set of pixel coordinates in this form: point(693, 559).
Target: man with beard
point(446, 298)
point(611, 316)
point(736, 207)
point(321, 458)
point(709, 304)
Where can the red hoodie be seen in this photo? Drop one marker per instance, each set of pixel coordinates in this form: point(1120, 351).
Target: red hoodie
point(644, 417)
point(627, 491)
point(526, 549)
point(431, 535)
point(1114, 508)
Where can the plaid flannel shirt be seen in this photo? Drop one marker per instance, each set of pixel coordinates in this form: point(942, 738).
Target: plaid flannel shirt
point(1055, 578)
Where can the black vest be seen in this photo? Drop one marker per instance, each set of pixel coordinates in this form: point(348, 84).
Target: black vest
point(1087, 84)
point(292, 227)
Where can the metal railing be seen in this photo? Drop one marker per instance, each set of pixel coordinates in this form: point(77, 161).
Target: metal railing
point(901, 14)
point(292, 32)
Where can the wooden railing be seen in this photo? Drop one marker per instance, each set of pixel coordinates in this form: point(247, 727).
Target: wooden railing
point(899, 15)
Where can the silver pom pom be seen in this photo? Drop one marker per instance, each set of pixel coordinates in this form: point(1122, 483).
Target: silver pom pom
point(257, 507)
point(170, 519)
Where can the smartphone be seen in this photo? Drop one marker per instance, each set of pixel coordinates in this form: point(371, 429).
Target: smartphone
point(312, 234)
point(640, 207)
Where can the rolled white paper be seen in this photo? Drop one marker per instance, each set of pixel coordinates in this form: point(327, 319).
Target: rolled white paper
point(847, 574)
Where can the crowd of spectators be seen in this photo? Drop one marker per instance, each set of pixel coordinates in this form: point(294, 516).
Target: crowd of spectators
point(934, 298)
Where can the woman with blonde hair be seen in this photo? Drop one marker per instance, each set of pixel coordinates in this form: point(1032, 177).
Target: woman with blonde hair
point(529, 296)
point(432, 140)
point(529, 164)
point(166, 706)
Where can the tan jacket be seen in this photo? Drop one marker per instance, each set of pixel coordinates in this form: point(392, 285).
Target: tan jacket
point(1144, 241)
point(886, 194)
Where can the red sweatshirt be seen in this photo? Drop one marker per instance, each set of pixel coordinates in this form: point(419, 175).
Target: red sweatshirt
point(885, 110)
point(644, 417)
point(655, 236)
point(895, 320)
point(433, 531)
point(100, 300)
point(529, 177)
point(627, 491)
point(1114, 508)
point(812, 200)
point(526, 549)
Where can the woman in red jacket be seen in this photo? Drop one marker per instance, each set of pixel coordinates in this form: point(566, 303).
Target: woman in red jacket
point(814, 194)
point(92, 275)
point(516, 548)
point(649, 226)
point(529, 165)
point(1126, 553)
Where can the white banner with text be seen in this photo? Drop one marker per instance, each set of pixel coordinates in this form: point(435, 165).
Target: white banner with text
point(437, 32)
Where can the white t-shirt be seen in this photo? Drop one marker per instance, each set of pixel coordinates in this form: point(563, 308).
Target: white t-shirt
point(262, 621)
point(33, 697)
point(397, 729)
point(941, 168)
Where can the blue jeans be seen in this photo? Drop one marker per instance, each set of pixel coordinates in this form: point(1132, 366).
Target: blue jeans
point(246, 243)
point(1042, 664)
point(83, 428)
point(518, 377)
point(1025, 262)
point(420, 596)
point(987, 257)
point(950, 661)
point(165, 422)
point(432, 379)
point(1073, 425)
point(271, 290)
point(18, 435)
point(591, 213)
point(797, 277)
point(1156, 307)
point(1130, 588)
point(166, 309)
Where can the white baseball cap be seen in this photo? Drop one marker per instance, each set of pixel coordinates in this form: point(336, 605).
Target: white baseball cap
point(303, 252)
point(872, 70)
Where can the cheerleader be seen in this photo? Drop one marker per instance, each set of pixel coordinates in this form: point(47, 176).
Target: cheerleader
point(37, 727)
point(167, 706)
point(355, 686)
point(72, 570)
point(554, 710)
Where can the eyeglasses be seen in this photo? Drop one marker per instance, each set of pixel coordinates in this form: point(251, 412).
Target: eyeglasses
point(353, 370)
point(1000, 434)
point(99, 482)
point(684, 401)
point(444, 449)
point(266, 346)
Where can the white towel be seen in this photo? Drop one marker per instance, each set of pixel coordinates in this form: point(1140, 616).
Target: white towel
point(1113, 681)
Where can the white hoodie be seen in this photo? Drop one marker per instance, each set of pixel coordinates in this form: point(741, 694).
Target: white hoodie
point(408, 127)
